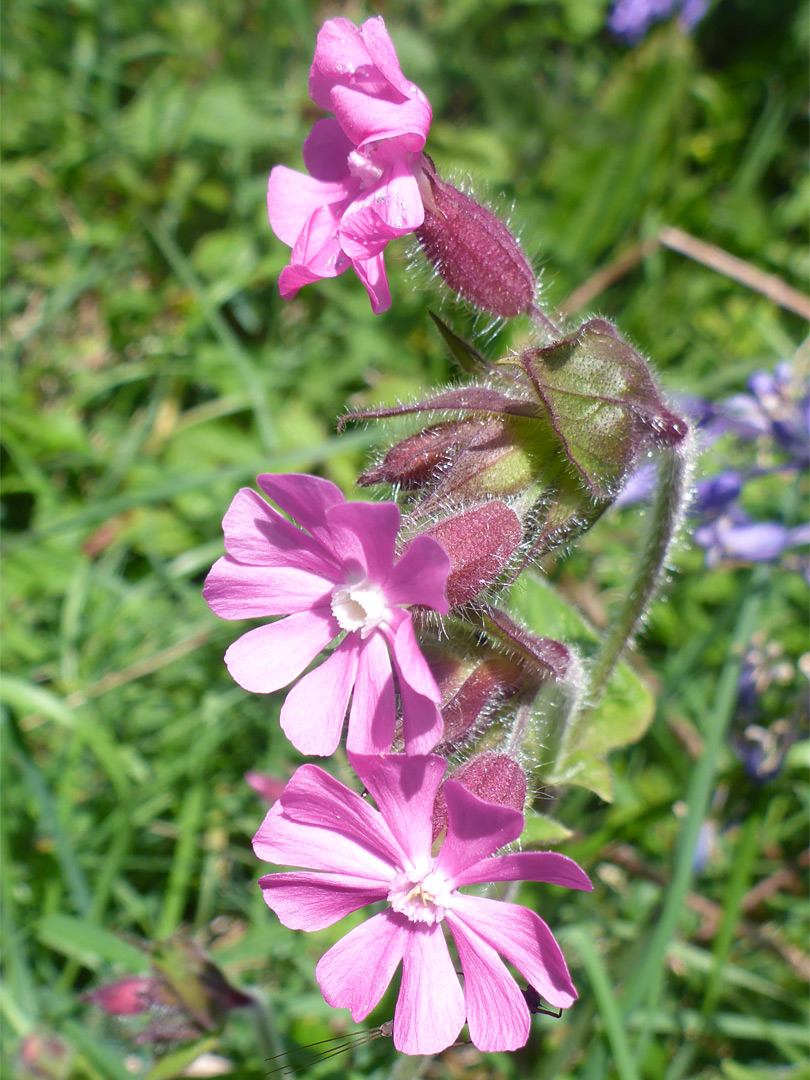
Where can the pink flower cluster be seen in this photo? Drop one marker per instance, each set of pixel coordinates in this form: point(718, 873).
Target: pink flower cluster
point(362, 189)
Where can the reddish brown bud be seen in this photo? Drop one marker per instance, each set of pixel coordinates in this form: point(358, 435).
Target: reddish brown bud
point(494, 777)
point(473, 250)
point(470, 691)
point(480, 543)
point(539, 657)
point(415, 461)
point(126, 997)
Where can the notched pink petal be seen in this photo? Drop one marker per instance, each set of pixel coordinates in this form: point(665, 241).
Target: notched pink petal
point(547, 866)
point(269, 657)
point(497, 1013)
point(234, 590)
point(315, 799)
point(367, 533)
point(313, 901)
point(420, 575)
point(430, 1009)
point(523, 939)
point(305, 498)
point(372, 274)
point(257, 534)
point(355, 973)
point(475, 829)
point(372, 716)
point(326, 153)
point(313, 712)
point(367, 119)
point(293, 197)
point(403, 788)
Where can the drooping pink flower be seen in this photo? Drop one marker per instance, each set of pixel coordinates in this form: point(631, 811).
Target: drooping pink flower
point(363, 855)
point(363, 164)
point(336, 574)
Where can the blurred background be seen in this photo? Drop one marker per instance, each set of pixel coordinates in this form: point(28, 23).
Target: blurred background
point(150, 369)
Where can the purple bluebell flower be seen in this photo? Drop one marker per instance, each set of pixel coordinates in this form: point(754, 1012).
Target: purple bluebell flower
point(631, 19)
point(736, 536)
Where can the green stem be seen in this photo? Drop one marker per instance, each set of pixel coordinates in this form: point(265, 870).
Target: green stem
point(673, 484)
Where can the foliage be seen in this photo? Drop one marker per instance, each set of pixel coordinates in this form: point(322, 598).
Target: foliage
point(150, 368)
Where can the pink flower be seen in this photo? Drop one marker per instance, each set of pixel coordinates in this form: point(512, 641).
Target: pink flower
point(365, 856)
point(336, 574)
point(362, 190)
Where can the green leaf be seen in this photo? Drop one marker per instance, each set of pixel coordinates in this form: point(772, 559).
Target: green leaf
point(624, 712)
point(464, 354)
point(87, 943)
point(175, 1064)
point(541, 830)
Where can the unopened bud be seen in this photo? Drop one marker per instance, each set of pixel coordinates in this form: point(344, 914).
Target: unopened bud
point(494, 777)
point(44, 1056)
point(471, 691)
point(480, 543)
point(473, 250)
point(416, 461)
point(268, 787)
point(126, 997)
point(538, 657)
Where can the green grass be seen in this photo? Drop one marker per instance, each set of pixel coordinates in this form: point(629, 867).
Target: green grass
point(150, 369)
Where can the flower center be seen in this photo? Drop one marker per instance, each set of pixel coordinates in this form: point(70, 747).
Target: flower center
point(423, 900)
point(359, 605)
point(364, 169)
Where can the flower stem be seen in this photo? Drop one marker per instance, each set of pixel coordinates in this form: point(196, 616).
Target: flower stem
point(674, 473)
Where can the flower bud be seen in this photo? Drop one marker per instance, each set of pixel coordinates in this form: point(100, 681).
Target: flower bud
point(417, 461)
point(539, 658)
point(44, 1056)
point(471, 690)
point(127, 997)
point(494, 777)
point(480, 543)
point(472, 249)
point(268, 787)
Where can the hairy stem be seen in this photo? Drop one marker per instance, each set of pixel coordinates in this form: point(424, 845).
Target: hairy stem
point(674, 473)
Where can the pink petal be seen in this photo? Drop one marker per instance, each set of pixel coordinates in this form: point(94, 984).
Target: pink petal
point(475, 828)
point(256, 533)
point(368, 118)
point(355, 973)
point(305, 498)
point(316, 800)
point(326, 153)
point(420, 575)
point(430, 1008)
point(339, 52)
point(372, 273)
point(313, 901)
point(317, 251)
point(365, 534)
point(396, 198)
point(497, 1013)
point(234, 590)
point(363, 234)
point(404, 789)
point(313, 712)
point(527, 866)
point(293, 197)
point(523, 939)
point(422, 724)
point(373, 712)
point(383, 55)
point(269, 657)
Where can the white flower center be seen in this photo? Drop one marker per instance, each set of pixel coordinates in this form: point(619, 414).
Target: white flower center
point(359, 605)
point(364, 169)
point(421, 899)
